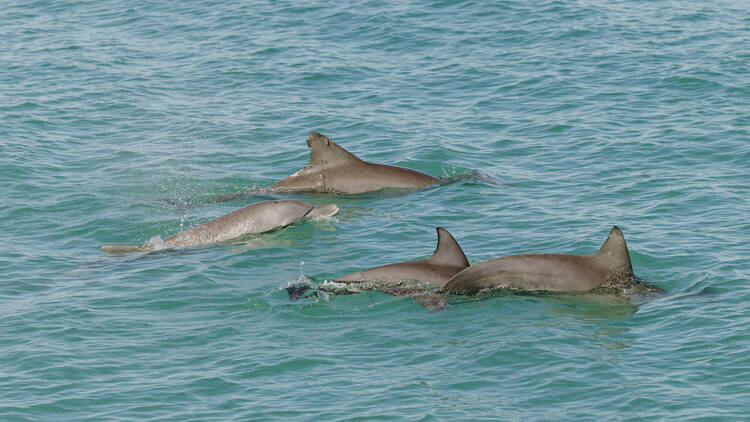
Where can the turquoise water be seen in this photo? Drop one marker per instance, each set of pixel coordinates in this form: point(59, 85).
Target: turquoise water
point(120, 121)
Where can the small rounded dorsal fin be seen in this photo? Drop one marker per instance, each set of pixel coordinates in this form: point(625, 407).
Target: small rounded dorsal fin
point(326, 153)
point(614, 252)
point(448, 252)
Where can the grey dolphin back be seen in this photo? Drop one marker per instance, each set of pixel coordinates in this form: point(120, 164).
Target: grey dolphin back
point(325, 153)
point(607, 268)
point(614, 254)
point(448, 251)
point(334, 170)
point(255, 218)
point(402, 277)
point(259, 217)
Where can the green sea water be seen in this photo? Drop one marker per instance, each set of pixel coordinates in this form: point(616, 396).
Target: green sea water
point(121, 121)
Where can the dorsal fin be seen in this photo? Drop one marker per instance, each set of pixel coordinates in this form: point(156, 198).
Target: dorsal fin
point(326, 153)
point(614, 252)
point(448, 252)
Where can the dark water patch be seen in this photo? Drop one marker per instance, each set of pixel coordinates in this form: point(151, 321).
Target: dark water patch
point(692, 84)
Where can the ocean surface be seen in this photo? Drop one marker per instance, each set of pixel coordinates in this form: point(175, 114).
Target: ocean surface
point(121, 121)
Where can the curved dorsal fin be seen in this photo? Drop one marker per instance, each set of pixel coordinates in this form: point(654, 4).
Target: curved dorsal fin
point(326, 153)
point(448, 252)
point(614, 252)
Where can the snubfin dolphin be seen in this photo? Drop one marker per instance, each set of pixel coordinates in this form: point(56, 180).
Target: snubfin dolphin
point(256, 218)
point(608, 269)
point(334, 169)
point(403, 277)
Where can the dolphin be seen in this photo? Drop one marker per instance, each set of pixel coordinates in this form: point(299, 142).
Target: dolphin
point(607, 270)
point(447, 260)
point(255, 218)
point(400, 278)
point(333, 169)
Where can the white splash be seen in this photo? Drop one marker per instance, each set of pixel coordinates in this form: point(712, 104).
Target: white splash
point(156, 243)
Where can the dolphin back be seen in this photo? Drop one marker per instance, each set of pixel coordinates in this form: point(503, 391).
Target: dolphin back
point(448, 252)
point(614, 255)
point(447, 260)
point(326, 153)
point(333, 169)
point(609, 266)
point(255, 218)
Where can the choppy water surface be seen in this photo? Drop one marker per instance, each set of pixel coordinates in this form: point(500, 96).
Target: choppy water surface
point(122, 121)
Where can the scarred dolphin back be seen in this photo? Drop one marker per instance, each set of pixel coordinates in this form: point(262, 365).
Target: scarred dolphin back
point(325, 153)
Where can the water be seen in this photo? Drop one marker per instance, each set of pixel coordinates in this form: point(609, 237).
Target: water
point(122, 121)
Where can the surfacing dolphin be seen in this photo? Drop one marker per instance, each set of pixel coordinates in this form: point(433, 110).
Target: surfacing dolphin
point(401, 278)
point(608, 270)
point(256, 218)
point(333, 169)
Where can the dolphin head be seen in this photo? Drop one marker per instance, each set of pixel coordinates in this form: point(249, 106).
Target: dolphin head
point(323, 212)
